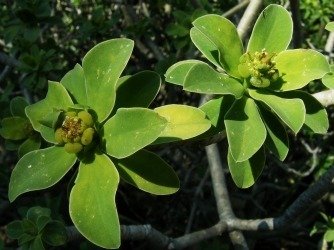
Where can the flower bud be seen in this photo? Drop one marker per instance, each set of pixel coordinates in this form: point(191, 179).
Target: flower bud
point(87, 136)
point(59, 136)
point(86, 118)
point(73, 148)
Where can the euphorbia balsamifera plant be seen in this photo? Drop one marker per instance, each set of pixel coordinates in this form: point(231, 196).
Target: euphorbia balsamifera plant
point(257, 89)
point(100, 120)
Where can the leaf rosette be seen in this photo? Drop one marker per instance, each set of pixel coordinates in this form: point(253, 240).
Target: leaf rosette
point(256, 90)
point(100, 120)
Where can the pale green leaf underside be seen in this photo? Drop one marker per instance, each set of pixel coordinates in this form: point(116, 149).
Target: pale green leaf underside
point(316, 118)
point(277, 139)
point(223, 34)
point(92, 202)
point(177, 73)
point(202, 78)
point(183, 122)
point(131, 129)
point(290, 111)
point(75, 83)
point(245, 130)
point(39, 169)
point(272, 30)
point(300, 66)
point(328, 80)
point(148, 172)
point(102, 67)
point(244, 174)
point(330, 26)
point(56, 98)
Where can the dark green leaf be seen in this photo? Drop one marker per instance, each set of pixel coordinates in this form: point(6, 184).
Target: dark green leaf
point(15, 128)
point(54, 234)
point(244, 174)
point(17, 106)
point(15, 229)
point(148, 172)
point(245, 129)
point(138, 90)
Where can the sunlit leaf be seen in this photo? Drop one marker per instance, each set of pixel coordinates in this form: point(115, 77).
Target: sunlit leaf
point(183, 122)
point(92, 202)
point(330, 26)
point(102, 67)
point(131, 129)
point(300, 66)
point(202, 78)
point(290, 111)
point(217, 38)
point(44, 167)
point(177, 73)
point(272, 30)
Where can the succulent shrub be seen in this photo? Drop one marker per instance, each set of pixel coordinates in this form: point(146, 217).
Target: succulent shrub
point(101, 120)
point(257, 90)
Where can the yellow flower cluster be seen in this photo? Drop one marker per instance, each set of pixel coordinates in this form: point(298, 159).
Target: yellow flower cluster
point(76, 131)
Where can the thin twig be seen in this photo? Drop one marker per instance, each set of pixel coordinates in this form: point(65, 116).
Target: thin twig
point(236, 8)
point(249, 17)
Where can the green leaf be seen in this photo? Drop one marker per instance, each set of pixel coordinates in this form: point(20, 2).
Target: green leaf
point(300, 66)
point(328, 80)
point(184, 122)
point(15, 128)
point(244, 174)
point(224, 42)
point(17, 106)
point(316, 118)
point(42, 221)
point(201, 78)
point(131, 129)
point(177, 73)
point(75, 83)
point(245, 130)
point(92, 202)
point(148, 172)
point(277, 139)
point(138, 90)
point(37, 244)
point(35, 212)
point(102, 66)
point(31, 144)
point(216, 109)
point(329, 235)
point(29, 227)
point(14, 229)
point(56, 99)
point(272, 30)
point(45, 167)
point(26, 239)
point(217, 38)
point(330, 26)
point(290, 111)
point(54, 234)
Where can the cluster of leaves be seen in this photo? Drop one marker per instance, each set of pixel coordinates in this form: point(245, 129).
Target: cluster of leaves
point(326, 228)
point(121, 128)
point(257, 88)
point(37, 230)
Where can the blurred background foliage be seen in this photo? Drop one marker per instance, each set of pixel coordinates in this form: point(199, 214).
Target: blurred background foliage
point(41, 40)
